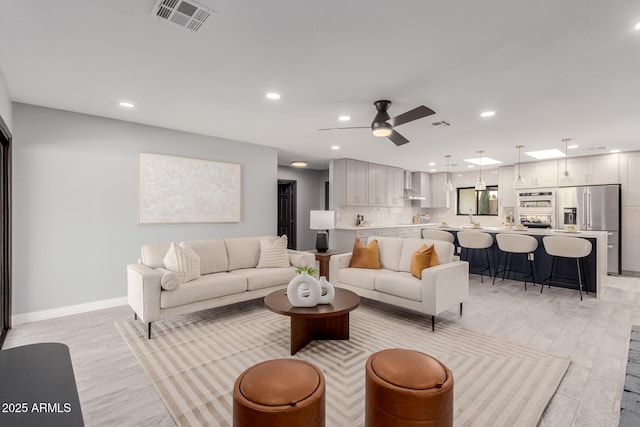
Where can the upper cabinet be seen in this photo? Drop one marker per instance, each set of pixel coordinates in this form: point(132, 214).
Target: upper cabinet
point(630, 177)
point(357, 183)
point(377, 185)
point(439, 198)
point(395, 184)
point(591, 170)
point(540, 174)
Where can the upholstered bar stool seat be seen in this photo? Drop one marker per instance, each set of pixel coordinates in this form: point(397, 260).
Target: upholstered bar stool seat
point(567, 247)
point(279, 393)
point(516, 244)
point(406, 388)
point(438, 235)
point(476, 240)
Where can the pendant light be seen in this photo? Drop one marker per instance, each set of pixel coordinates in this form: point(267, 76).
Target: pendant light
point(519, 181)
point(448, 185)
point(565, 177)
point(480, 184)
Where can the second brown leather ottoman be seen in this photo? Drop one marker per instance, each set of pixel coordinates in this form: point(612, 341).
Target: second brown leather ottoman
point(407, 388)
point(279, 393)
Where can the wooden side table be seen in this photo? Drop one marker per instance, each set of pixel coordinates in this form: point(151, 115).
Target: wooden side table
point(323, 259)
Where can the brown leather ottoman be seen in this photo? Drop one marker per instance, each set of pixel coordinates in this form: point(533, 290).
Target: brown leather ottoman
point(280, 392)
point(407, 388)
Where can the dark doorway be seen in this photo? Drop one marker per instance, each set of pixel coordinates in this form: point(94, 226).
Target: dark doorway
point(326, 195)
point(5, 230)
point(287, 211)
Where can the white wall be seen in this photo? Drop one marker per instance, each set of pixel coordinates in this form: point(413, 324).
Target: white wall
point(74, 202)
point(309, 196)
point(5, 102)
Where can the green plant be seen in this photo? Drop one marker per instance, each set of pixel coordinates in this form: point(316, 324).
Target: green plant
point(310, 270)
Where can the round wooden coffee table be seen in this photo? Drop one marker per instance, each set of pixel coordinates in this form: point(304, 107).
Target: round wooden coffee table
point(322, 322)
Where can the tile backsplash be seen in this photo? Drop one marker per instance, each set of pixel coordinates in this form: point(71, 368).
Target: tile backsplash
point(388, 217)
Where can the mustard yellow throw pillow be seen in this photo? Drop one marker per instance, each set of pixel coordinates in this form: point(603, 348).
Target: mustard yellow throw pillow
point(424, 257)
point(365, 256)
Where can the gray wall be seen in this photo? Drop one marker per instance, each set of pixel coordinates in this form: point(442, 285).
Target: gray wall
point(5, 102)
point(309, 196)
point(74, 202)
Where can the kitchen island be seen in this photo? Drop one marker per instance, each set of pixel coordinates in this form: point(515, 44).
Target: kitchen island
point(595, 264)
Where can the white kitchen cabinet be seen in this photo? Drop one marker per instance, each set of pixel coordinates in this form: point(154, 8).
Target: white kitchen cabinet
point(540, 174)
point(630, 237)
point(357, 183)
point(506, 191)
point(631, 180)
point(388, 232)
point(395, 187)
point(592, 170)
point(439, 198)
point(377, 185)
point(421, 184)
point(346, 238)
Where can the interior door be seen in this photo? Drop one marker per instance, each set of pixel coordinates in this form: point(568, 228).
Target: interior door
point(5, 230)
point(287, 211)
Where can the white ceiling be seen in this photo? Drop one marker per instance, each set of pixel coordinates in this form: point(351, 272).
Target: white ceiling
point(550, 69)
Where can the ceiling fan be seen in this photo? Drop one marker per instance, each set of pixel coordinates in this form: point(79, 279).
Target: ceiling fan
point(383, 125)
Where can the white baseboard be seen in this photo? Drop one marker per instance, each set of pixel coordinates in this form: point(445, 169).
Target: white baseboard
point(18, 319)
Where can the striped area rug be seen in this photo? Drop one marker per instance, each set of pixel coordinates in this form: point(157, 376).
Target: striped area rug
point(193, 362)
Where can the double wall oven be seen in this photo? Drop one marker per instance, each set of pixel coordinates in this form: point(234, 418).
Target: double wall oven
point(536, 208)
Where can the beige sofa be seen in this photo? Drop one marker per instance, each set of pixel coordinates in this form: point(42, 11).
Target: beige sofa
point(441, 288)
point(229, 275)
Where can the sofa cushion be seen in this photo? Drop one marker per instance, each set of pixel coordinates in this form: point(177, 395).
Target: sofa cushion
point(365, 256)
point(206, 287)
point(265, 278)
point(243, 252)
point(390, 249)
point(184, 261)
point(273, 253)
point(152, 254)
point(409, 246)
point(360, 277)
point(424, 257)
point(169, 280)
point(212, 253)
point(400, 284)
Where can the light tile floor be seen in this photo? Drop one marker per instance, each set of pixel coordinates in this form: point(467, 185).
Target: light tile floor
point(594, 334)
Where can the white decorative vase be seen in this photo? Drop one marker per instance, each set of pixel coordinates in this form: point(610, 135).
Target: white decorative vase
point(327, 291)
point(304, 291)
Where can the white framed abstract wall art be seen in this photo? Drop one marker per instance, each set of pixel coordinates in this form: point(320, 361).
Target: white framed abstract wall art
point(174, 189)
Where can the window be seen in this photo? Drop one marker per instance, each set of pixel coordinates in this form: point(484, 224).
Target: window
point(478, 202)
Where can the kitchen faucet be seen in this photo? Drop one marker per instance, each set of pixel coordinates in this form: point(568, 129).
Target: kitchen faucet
point(470, 216)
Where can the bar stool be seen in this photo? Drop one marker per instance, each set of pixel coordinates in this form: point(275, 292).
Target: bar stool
point(438, 235)
point(567, 247)
point(516, 244)
point(472, 240)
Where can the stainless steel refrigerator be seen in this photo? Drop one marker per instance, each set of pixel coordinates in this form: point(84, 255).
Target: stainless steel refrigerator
point(595, 208)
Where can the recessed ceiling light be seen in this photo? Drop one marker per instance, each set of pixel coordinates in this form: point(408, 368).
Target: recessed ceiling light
point(299, 164)
point(614, 151)
point(433, 170)
point(127, 105)
point(483, 161)
point(471, 166)
point(638, 26)
point(273, 95)
point(488, 114)
point(572, 146)
point(545, 154)
point(344, 118)
point(432, 164)
point(335, 147)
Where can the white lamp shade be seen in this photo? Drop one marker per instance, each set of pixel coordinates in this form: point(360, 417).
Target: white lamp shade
point(322, 220)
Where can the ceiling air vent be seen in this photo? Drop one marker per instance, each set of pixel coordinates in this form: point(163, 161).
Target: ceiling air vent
point(187, 14)
point(440, 123)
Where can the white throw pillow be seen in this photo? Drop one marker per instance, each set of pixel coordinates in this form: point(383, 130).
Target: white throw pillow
point(184, 261)
point(273, 254)
point(170, 280)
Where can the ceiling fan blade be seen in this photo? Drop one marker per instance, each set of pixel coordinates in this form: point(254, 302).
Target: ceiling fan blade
point(411, 115)
point(352, 127)
point(397, 139)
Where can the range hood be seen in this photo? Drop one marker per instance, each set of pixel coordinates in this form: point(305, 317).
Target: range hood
point(409, 192)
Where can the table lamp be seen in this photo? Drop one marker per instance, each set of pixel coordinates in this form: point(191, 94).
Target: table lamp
point(322, 221)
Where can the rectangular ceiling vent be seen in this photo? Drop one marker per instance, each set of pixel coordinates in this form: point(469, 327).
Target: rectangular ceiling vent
point(440, 123)
point(187, 14)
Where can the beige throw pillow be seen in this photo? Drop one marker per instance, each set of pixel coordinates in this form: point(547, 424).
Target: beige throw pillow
point(183, 261)
point(273, 254)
